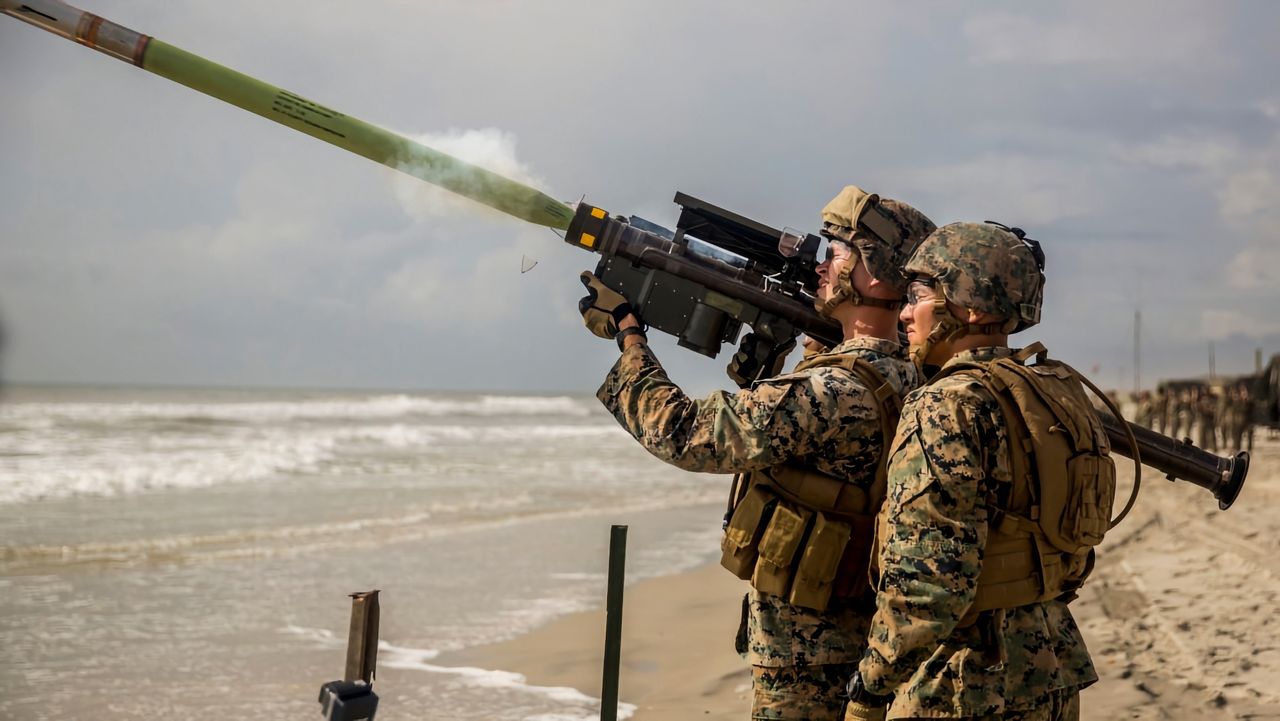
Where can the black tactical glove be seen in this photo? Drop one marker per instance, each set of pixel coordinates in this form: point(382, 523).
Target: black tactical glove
point(602, 308)
point(864, 705)
point(758, 357)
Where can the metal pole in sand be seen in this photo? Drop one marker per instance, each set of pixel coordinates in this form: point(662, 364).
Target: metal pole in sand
point(292, 110)
point(362, 637)
point(353, 699)
point(613, 623)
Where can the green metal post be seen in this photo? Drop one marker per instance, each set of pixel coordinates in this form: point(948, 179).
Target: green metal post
point(613, 623)
point(362, 637)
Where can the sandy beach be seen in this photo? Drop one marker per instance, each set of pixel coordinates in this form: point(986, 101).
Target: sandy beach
point(1180, 616)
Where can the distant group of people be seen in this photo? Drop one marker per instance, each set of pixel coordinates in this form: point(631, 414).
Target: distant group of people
point(1219, 420)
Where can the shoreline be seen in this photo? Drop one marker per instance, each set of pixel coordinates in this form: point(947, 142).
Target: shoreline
point(677, 658)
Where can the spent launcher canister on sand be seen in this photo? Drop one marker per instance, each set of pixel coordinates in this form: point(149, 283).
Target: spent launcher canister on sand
point(701, 283)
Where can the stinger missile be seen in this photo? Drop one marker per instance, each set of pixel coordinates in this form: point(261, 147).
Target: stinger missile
point(377, 144)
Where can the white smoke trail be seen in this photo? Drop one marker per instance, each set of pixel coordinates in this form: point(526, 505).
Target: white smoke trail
point(489, 148)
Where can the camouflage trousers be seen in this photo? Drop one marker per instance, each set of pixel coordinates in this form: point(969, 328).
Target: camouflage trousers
point(1061, 705)
point(794, 693)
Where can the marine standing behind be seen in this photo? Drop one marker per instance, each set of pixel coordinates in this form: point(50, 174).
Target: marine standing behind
point(807, 446)
point(1161, 411)
point(971, 616)
point(1144, 414)
point(1183, 413)
point(1207, 419)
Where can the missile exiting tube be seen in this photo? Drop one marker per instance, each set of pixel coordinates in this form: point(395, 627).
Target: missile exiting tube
point(294, 111)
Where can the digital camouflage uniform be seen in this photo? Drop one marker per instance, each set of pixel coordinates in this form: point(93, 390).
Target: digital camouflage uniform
point(1237, 419)
point(1183, 414)
point(821, 418)
point(1144, 414)
point(1207, 420)
point(950, 451)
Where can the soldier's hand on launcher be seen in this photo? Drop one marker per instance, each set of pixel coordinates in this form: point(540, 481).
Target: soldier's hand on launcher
point(758, 357)
point(602, 308)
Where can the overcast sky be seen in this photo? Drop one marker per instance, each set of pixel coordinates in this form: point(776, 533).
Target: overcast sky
point(150, 234)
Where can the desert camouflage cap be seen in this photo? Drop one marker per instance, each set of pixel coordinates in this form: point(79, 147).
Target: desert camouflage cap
point(983, 267)
point(887, 231)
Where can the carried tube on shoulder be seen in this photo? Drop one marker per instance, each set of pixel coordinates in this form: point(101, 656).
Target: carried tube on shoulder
point(1179, 460)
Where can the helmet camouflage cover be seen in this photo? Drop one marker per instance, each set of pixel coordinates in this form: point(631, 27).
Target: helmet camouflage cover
point(887, 231)
point(985, 268)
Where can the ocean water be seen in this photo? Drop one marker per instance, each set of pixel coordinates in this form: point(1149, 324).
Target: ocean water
point(171, 553)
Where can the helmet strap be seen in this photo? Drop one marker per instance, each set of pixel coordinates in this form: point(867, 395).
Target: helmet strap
point(1004, 327)
point(846, 292)
point(946, 328)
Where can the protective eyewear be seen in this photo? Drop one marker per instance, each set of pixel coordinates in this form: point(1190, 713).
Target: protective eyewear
point(920, 290)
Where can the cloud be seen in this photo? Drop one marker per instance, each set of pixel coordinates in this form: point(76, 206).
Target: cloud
point(1250, 192)
point(1221, 324)
point(1022, 190)
point(1131, 37)
point(431, 293)
point(1201, 152)
point(1244, 183)
point(1257, 268)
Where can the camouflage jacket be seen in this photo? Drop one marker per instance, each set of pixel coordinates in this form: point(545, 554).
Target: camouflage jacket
point(821, 418)
point(950, 451)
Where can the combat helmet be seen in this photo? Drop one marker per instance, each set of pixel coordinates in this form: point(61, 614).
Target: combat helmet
point(883, 232)
point(985, 267)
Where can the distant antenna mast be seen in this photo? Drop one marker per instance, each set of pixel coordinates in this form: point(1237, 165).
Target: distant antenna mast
point(1137, 350)
point(1137, 335)
point(1212, 375)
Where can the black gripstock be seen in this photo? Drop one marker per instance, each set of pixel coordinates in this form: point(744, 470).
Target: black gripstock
point(717, 271)
point(1179, 460)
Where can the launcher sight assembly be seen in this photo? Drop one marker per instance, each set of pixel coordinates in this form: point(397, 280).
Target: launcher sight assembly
point(717, 271)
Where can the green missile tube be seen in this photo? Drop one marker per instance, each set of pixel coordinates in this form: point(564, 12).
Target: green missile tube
point(294, 111)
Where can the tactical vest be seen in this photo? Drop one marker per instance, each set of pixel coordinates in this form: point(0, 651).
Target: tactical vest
point(804, 535)
point(1044, 526)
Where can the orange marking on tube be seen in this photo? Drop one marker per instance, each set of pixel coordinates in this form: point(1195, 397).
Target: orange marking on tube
point(82, 27)
point(91, 37)
point(140, 49)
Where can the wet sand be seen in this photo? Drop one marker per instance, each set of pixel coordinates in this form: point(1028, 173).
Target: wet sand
point(1182, 617)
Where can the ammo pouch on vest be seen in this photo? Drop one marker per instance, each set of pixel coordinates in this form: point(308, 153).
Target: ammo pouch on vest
point(801, 535)
point(804, 535)
point(1045, 525)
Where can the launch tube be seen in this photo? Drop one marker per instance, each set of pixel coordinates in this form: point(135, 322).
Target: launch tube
point(1222, 476)
point(294, 111)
